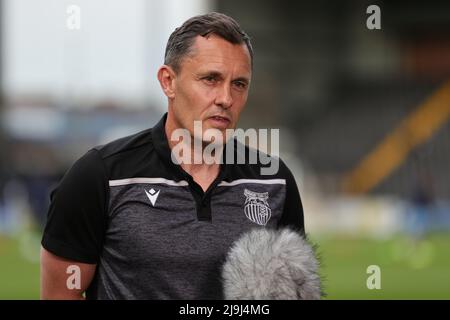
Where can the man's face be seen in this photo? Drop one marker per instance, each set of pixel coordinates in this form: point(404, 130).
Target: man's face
point(211, 85)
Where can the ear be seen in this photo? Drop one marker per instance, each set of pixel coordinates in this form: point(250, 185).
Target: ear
point(166, 77)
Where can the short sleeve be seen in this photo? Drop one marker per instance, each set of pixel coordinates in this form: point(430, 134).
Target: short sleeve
point(77, 216)
point(293, 210)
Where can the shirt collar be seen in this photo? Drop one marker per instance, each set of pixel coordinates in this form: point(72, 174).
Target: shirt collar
point(160, 139)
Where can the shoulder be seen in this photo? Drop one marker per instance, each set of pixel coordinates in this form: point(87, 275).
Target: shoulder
point(255, 164)
point(100, 162)
point(125, 145)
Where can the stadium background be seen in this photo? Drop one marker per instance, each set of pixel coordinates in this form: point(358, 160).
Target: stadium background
point(363, 117)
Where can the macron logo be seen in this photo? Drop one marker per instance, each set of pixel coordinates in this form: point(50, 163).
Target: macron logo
point(152, 195)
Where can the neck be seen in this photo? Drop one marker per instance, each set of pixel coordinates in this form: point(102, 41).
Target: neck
point(195, 164)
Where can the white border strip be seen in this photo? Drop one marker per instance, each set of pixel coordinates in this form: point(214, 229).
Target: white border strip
point(122, 182)
point(259, 181)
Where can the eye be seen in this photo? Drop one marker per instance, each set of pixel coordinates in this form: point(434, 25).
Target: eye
point(240, 85)
point(210, 79)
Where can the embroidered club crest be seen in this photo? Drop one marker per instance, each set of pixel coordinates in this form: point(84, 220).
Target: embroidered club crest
point(256, 207)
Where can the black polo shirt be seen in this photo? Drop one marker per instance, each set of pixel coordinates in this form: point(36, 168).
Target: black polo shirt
point(150, 228)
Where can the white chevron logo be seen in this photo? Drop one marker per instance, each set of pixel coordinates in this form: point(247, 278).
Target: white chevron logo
point(152, 195)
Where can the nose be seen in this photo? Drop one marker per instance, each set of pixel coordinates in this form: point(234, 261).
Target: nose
point(224, 98)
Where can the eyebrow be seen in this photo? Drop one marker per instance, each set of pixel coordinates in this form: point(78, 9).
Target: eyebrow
point(220, 75)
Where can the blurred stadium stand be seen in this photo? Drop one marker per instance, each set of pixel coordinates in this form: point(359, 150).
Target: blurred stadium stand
point(343, 88)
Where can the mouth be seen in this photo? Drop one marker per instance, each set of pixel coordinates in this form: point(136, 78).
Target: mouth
point(220, 121)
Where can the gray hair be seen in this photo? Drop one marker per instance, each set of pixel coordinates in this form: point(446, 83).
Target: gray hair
point(181, 40)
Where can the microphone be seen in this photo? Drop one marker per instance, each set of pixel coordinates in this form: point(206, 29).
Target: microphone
point(271, 265)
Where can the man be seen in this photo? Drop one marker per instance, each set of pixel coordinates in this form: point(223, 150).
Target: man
point(137, 224)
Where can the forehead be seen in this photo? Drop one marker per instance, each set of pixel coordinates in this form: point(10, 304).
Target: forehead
point(215, 52)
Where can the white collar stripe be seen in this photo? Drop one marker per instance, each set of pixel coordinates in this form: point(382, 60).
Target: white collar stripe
point(257, 181)
point(122, 182)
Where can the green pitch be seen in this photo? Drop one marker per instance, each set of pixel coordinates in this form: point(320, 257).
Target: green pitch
point(19, 266)
point(408, 269)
